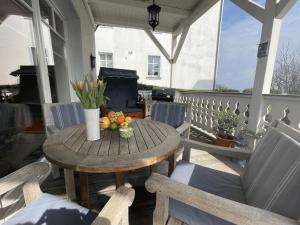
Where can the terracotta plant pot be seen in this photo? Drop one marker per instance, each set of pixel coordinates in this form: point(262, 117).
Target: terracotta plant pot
point(225, 142)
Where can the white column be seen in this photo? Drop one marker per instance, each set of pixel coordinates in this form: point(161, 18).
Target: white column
point(265, 66)
point(42, 73)
point(172, 74)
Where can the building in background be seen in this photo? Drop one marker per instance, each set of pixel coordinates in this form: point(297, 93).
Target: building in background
point(126, 48)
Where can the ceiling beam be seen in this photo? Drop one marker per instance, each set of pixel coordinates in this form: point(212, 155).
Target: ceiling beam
point(89, 11)
point(283, 7)
point(129, 23)
point(180, 44)
point(202, 7)
point(252, 8)
point(140, 5)
point(158, 45)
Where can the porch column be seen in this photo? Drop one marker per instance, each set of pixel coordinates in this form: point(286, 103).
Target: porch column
point(265, 65)
point(172, 73)
point(42, 67)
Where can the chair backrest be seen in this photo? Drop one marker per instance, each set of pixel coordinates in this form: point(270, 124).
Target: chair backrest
point(170, 113)
point(63, 115)
point(272, 176)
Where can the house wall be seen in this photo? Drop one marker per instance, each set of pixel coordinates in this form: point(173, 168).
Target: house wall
point(80, 41)
point(130, 48)
point(195, 68)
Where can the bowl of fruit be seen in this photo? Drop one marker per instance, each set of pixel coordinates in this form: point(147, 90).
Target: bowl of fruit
point(117, 121)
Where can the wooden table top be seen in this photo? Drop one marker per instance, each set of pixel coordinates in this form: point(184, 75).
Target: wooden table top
point(151, 143)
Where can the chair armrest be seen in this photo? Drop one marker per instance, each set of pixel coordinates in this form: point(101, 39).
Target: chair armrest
point(52, 130)
point(226, 209)
point(27, 173)
point(116, 208)
point(214, 149)
point(182, 128)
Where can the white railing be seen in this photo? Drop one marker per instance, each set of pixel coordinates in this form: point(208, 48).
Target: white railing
point(206, 104)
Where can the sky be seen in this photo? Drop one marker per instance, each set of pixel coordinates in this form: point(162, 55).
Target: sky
point(240, 35)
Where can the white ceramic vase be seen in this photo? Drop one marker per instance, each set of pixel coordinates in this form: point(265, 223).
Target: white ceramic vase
point(92, 124)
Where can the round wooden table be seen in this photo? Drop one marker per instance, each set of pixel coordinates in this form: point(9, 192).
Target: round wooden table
point(151, 143)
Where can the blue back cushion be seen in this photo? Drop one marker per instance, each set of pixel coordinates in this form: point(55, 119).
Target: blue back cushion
point(169, 113)
point(67, 115)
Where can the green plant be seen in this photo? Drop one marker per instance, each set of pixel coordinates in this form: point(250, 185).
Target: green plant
point(225, 122)
point(90, 93)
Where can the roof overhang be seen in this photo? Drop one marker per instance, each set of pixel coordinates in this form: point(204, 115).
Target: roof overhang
point(174, 17)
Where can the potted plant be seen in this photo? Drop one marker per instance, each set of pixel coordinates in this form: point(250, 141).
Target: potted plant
point(225, 122)
point(91, 96)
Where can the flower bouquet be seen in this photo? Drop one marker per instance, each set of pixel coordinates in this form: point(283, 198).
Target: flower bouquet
point(91, 96)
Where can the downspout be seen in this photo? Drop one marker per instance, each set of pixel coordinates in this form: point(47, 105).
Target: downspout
point(218, 44)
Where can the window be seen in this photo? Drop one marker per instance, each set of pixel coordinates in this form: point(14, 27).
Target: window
point(59, 25)
point(153, 65)
point(46, 12)
point(106, 59)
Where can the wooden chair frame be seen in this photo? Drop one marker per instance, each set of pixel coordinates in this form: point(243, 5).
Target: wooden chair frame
point(115, 212)
point(50, 130)
point(235, 212)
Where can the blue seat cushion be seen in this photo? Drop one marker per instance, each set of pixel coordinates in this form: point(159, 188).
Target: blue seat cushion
point(51, 210)
point(67, 115)
point(223, 184)
point(169, 113)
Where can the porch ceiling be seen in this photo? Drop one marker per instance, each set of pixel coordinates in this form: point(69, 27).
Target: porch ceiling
point(174, 16)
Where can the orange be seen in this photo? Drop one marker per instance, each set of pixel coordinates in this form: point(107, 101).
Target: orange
point(128, 119)
point(120, 119)
point(110, 114)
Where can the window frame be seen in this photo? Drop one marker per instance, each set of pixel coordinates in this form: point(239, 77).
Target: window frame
point(153, 65)
point(106, 60)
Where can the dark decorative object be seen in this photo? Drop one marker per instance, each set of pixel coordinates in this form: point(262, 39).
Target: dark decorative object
point(93, 61)
point(153, 16)
point(263, 49)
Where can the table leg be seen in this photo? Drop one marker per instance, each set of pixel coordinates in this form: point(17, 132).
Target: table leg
point(172, 164)
point(84, 189)
point(153, 169)
point(120, 180)
point(70, 184)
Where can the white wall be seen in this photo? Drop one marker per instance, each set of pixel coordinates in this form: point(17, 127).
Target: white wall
point(87, 34)
point(195, 68)
point(130, 48)
point(80, 41)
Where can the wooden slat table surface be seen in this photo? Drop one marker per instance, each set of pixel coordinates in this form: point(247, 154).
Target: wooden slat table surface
point(152, 142)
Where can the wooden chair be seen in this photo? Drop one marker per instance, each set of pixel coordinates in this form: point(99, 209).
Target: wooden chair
point(177, 115)
point(266, 193)
point(56, 117)
point(42, 208)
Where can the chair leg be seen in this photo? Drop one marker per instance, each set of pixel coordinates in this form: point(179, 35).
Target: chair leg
point(70, 184)
point(55, 171)
point(186, 155)
point(125, 219)
point(172, 164)
point(161, 212)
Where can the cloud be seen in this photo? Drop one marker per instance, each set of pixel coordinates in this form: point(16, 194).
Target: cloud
point(239, 38)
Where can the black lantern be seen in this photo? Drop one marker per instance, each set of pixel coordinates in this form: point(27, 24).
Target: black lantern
point(153, 15)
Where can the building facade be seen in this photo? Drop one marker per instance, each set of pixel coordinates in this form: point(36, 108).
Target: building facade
point(126, 48)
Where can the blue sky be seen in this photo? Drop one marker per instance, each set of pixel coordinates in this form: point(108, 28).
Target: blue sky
point(238, 47)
